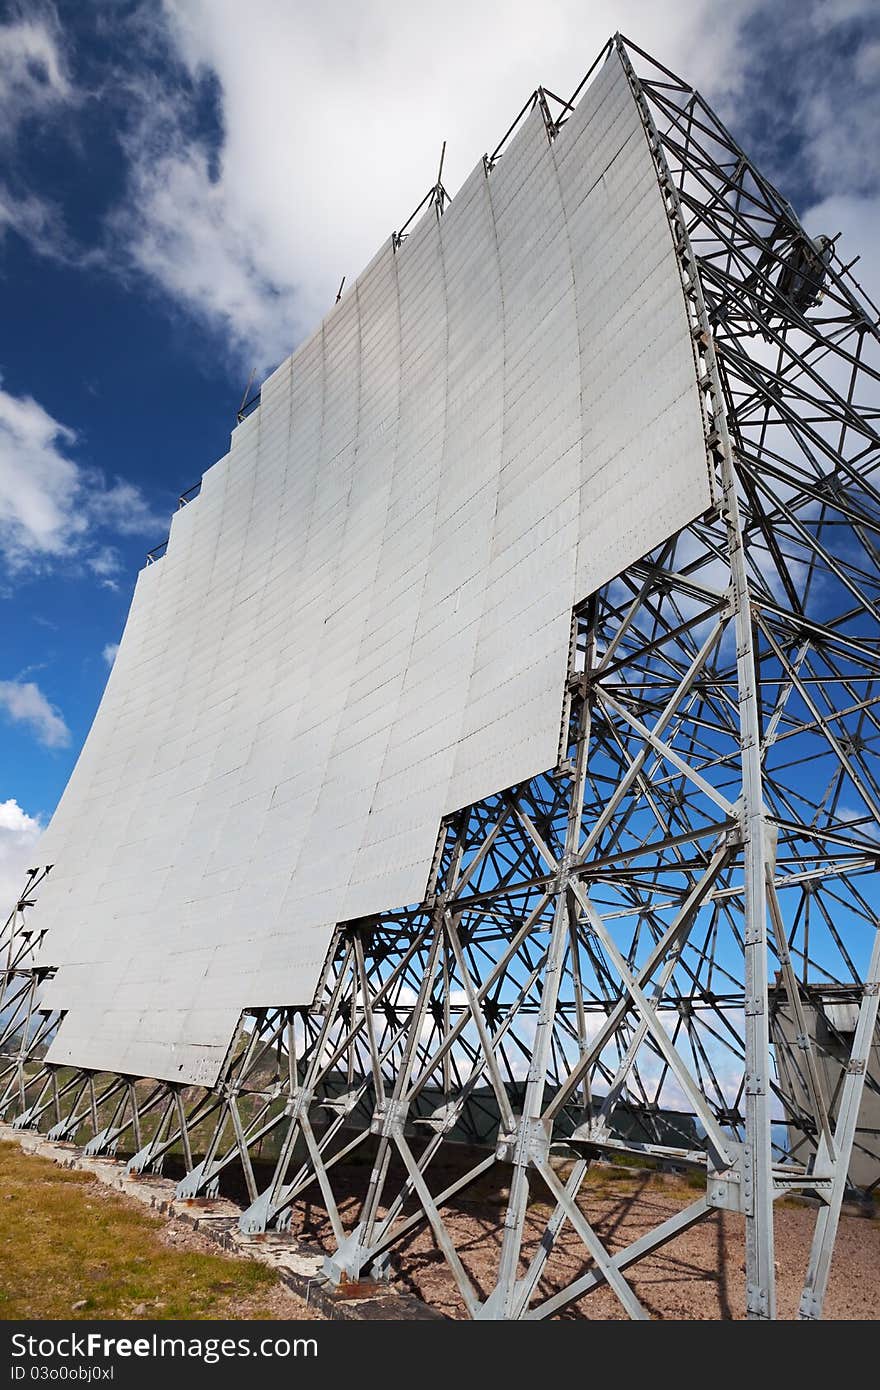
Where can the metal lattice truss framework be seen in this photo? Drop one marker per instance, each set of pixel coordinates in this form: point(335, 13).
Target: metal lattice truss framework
point(601, 953)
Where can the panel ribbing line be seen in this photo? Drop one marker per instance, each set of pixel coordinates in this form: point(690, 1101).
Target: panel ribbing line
point(495, 420)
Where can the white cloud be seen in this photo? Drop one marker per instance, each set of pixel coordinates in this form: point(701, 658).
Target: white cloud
point(33, 79)
point(857, 219)
point(25, 703)
point(50, 506)
point(332, 119)
point(826, 15)
point(330, 136)
point(19, 834)
point(35, 219)
point(38, 483)
point(35, 86)
point(105, 562)
point(120, 506)
point(840, 121)
point(332, 130)
point(867, 64)
point(814, 80)
point(109, 652)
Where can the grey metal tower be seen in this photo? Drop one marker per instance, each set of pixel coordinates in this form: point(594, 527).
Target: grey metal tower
point(665, 945)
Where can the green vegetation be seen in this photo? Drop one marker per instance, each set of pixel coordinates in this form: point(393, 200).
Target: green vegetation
point(71, 1249)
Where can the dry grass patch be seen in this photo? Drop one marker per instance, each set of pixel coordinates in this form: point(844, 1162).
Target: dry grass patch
point(71, 1249)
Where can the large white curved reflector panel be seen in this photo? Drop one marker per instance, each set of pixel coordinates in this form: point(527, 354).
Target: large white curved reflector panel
point(362, 622)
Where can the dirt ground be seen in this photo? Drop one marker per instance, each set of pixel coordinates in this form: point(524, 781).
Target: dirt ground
point(699, 1275)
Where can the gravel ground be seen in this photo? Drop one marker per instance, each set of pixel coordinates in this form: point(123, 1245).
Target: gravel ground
point(700, 1275)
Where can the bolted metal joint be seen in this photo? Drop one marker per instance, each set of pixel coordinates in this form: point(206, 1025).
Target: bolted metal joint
point(389, 1119)
point(528, 1145)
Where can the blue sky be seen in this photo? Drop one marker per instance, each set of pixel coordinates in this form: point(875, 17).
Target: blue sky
point(182, 186)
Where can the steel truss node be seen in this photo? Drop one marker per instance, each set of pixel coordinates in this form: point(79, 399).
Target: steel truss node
point(630, 954)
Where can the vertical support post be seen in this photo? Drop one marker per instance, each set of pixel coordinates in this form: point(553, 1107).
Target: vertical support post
point(819, 1268)
point(757, 1177)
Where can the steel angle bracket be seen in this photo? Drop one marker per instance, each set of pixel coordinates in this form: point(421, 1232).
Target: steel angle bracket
point(148, 1156)
point(349, 1258)
point(729, 1189)
point(28, 1117)
point(196, 1183)
point(105, 1140)
point(255, 1220)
